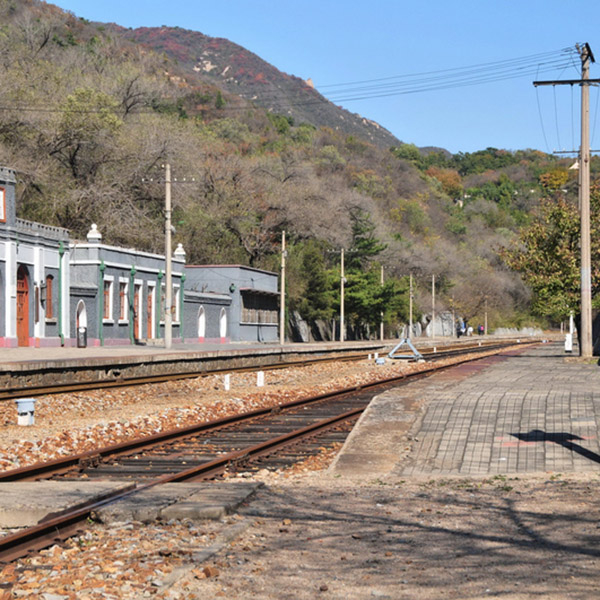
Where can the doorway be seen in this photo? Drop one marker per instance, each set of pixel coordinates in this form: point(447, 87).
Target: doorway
point(22, 307)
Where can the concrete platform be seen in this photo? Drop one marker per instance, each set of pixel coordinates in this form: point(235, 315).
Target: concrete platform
point(36, 367)
point(192, 501)
point(534, 410)
point(26, 504)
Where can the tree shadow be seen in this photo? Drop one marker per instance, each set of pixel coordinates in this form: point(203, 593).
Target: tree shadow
point(438, 538)
point(562, 439)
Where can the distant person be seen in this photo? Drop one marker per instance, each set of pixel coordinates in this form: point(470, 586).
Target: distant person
point(469, 331)
point(480, 329)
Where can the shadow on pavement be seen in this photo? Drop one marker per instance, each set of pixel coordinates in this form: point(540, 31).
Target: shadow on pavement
point(562, 439)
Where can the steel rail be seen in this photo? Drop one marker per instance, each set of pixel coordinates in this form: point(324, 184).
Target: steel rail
point(56, 466)
point(64, 525)
point(58, 528)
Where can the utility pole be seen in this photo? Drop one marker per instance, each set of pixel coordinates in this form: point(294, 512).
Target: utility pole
point(585, 333)
point(168, 264)
point(432, 307)
point(381, 316)
point(584, 205)
point(282, 295)
point(485, 327)
point(342, 282)
point(410, 306)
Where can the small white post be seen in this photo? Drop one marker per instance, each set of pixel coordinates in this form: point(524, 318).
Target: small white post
point(25, 410)
point(260, 379)
point(227, 382)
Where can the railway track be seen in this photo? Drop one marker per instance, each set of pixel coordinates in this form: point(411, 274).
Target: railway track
point(116, 380)
point(203, 451)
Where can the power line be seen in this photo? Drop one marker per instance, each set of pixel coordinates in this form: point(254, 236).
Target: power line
point(396, 85)
point(536, 58)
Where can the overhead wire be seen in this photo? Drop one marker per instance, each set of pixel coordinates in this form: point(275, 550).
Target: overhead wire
point(537, 95)
point(394, 85)
point(556, 119)
point(444, 79)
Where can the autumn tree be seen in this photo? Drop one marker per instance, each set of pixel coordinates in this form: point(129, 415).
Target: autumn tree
point(547, 256)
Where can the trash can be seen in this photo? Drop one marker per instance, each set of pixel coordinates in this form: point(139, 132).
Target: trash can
point(82, 337)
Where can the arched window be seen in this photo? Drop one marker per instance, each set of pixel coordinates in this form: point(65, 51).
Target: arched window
point(201, 323)
point(81, 315)
point(223, 324)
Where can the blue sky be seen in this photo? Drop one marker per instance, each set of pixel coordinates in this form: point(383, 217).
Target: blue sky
point(335, 42)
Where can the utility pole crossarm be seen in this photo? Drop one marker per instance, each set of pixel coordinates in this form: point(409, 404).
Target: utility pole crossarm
point(567, 82)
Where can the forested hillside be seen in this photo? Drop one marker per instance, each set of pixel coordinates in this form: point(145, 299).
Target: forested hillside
point(88, 116)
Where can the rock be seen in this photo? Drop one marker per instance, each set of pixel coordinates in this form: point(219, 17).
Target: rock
point(210, 571)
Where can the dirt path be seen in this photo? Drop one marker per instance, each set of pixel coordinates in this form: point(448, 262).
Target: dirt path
point(317, 537)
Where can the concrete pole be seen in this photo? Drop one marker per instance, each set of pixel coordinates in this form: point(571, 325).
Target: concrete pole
point(282, 295)
point(432, 306)
point(342, 281)
point(168, 264)
point(485, 324)
point(410, 306)
point(585, 340)
point(381, 316)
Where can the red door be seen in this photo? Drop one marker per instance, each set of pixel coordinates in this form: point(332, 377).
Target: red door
point(150, 313)
point(137, 305)
point(22, 307)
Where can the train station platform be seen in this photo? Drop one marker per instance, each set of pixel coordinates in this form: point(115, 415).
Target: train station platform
point(28, 367)
point(530, 410)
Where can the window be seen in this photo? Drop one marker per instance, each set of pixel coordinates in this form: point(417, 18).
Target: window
point(176, 299)
point(48, 299)
point(123, 302)
point(108, 299)
point(258, 308)
point(2, 205)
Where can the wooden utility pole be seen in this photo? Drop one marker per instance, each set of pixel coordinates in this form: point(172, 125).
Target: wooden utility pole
point(585, 332)
point(282, 295)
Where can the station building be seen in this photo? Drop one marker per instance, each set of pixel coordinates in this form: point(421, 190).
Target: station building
point(254, 310)
point(117, 295)
point(58, 292)
point(34, 276)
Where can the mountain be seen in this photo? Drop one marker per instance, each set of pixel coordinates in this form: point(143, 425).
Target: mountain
point(242, 73)
point(91, 111)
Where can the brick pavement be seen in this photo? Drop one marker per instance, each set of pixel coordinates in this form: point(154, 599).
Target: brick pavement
point(532, 411)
